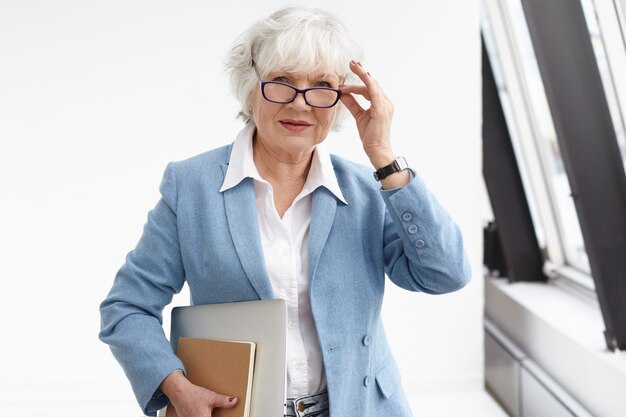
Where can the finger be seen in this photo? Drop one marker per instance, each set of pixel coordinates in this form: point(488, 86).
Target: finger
point(356, 89)
point(367, 79)
point(377, 110)
point(351, 104)
point(224, 401)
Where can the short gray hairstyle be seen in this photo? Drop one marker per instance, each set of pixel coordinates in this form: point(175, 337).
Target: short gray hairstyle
point(293, 39)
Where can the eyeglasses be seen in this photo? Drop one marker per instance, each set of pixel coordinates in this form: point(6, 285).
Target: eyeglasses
point(283, 93)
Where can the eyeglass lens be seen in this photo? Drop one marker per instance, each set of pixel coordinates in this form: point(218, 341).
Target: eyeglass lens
point(282, 93)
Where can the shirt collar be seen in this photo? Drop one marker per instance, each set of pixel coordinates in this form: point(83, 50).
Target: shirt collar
point(241, 166)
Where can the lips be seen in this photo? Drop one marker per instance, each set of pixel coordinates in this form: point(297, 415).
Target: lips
point(295, 125)
point(295, 122)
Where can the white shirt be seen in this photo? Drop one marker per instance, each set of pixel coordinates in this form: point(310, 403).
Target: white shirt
point(285, 248)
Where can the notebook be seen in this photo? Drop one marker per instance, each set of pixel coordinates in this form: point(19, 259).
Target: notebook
point(225, 367)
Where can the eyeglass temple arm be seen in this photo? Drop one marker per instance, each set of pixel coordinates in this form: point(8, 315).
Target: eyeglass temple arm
point(255, 70)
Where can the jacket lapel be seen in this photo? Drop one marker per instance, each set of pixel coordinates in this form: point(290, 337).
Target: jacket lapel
point(244, 230)
point(323, 211)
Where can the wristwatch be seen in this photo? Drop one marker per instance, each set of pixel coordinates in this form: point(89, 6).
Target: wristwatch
point(399, 164)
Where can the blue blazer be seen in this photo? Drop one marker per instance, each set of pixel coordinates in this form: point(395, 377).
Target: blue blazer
point(212, 241)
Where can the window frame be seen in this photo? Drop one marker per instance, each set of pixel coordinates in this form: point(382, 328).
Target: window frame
point(580, 111)
point(608, 16)
point(522, 124)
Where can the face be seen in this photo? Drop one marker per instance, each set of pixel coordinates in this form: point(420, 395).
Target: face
point(292, 130)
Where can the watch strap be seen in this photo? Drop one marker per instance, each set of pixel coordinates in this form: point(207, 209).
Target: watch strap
point(399, 164)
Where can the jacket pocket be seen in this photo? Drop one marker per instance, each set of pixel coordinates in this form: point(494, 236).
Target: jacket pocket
point(388, 379)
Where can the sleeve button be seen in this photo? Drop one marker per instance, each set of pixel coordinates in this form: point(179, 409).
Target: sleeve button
point(407, 216)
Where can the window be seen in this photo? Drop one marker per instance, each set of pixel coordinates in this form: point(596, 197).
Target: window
point(532, 131)
point(580, 50)
point(605, 20)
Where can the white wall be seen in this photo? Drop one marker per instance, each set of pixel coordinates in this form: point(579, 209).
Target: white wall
point(97, 96)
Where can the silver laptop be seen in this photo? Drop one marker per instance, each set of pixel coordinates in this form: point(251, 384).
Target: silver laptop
point(263, 322)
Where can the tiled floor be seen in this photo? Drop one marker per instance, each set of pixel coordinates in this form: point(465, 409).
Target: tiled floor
point(455, 404)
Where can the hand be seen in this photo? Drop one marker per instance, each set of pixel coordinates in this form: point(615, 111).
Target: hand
point(373, 124)
point(191, 400)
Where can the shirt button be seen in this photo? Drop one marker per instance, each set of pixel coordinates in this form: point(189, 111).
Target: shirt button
point(367, 381)
point(419, 243)
point(367, 340)
point(291, 325)
point(407, 217)
point(300, 366)
point(412, 229)
point(286, 251)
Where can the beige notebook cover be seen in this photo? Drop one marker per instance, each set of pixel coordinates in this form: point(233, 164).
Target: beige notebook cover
point(224, 367)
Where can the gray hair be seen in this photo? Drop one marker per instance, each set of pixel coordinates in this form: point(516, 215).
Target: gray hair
point(293, 39)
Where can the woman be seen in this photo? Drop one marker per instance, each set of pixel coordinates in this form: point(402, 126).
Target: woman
point(273, 215)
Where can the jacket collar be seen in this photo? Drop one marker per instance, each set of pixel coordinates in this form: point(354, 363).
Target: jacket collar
point(244, 231)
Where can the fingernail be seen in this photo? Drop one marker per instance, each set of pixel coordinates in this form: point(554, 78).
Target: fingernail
point(359, 64)
point(369, 73)
point(354, 62)
point(230, 400)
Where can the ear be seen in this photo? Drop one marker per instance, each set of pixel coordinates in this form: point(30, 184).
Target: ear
point(253, 99)
point(248, 105)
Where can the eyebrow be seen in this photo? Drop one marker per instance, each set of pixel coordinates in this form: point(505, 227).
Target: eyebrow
point(310, 77)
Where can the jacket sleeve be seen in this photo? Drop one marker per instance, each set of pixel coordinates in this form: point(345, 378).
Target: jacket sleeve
point(423, 247)
point(131, 315)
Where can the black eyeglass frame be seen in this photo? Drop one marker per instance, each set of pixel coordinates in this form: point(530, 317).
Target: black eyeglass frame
point(299, 91)
point(296, 91)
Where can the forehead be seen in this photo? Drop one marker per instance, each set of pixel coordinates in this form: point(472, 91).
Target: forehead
point(310, 76)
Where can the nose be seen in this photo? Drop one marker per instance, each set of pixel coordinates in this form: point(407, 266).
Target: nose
point(299, 104)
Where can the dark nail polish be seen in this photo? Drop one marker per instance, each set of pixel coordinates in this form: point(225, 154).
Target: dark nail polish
point(230, 400)
point(359, 64)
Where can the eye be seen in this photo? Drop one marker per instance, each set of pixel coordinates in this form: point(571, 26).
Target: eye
point(282, 79)
point(323, 84)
